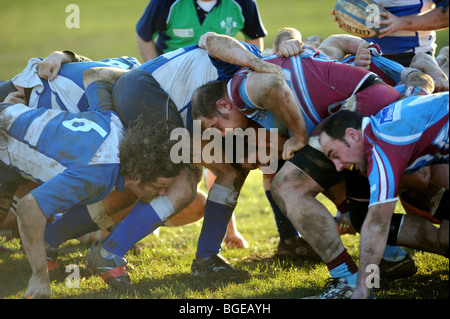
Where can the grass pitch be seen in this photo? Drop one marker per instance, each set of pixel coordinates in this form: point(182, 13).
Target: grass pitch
point(161, 270)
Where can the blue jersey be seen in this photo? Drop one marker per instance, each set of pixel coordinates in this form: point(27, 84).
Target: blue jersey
point(66, 91)
point(73, 156)
point(388, 70)
point(183, 71)
point(402, 138)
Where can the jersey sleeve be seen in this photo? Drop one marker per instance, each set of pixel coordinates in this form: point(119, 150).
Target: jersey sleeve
point(253, 26)
point(385, 169)
point(84, 185)
point(153, 20)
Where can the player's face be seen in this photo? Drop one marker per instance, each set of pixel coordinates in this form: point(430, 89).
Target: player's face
point(347, 154)
point(147, 192)
point(229, 119)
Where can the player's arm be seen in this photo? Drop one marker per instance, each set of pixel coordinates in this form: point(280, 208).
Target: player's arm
point(99, 94)
point(374, 234)
point(259, 42)
point(32, 223)
point(429, 65)
point(49, 68)
point(107, 74)
point(228, 49)
point(434, 19)
point(339, 45)
point(270, 92)
point(146, 48)
point(336, 47)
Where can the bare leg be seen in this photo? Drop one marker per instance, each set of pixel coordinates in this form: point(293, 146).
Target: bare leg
point(32, 227)
point(419, 233)
point(295, 193)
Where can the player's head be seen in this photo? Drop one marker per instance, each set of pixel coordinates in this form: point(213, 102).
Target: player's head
point(284, 35)
point(342, 141)
point(145, 153)
point(211, 105)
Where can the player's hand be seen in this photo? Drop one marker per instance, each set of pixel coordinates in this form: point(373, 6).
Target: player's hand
point(290, 48)
point(236, 240)
point(267, 67)
point(38, 287)
point(392, 23)
point(15, 98)
point(335, 19)
point(291, 146)
point(48, 68)
point(363, 57)
point(440, 81)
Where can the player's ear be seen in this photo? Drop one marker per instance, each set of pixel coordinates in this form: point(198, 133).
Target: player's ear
point(223, 105)
point(352, 133)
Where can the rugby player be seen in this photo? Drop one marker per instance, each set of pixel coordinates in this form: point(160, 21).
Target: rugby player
point(401, 138)
point(223, 105)
point(78, 159)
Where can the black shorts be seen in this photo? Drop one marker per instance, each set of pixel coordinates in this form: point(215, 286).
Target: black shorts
point(357, 186)
point(137, 93)
point(317, 166)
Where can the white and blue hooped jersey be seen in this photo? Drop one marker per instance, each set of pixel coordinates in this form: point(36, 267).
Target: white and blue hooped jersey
point(73, 156)
point(402, 138)
point(182, 71)
point(66, 91)
point(407, 41)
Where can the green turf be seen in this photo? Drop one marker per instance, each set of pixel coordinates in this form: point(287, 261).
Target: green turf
point(161, 270)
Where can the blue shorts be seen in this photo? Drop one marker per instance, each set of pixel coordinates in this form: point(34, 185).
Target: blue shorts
point(137, 93)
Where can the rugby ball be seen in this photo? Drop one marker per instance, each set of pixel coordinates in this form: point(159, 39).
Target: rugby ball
point(359, 17)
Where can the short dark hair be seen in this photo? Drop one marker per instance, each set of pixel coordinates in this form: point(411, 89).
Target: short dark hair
point(144, 152)
point(203, 102)
point(336, 124)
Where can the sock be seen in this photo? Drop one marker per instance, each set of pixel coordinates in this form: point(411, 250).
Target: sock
point(343, 266)
point(393, 253)
point(74, 223)
point(218, 211)
point(142, 220)
point(285, 228)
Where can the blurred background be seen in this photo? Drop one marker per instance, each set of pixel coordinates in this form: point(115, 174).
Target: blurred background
point(31, 28)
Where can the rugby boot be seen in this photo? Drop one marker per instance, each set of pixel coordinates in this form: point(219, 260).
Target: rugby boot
point(298, 249)
point(337, 288)
point(54, 269)
point(217, 267)
point(112, 271)
point(404, 268)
